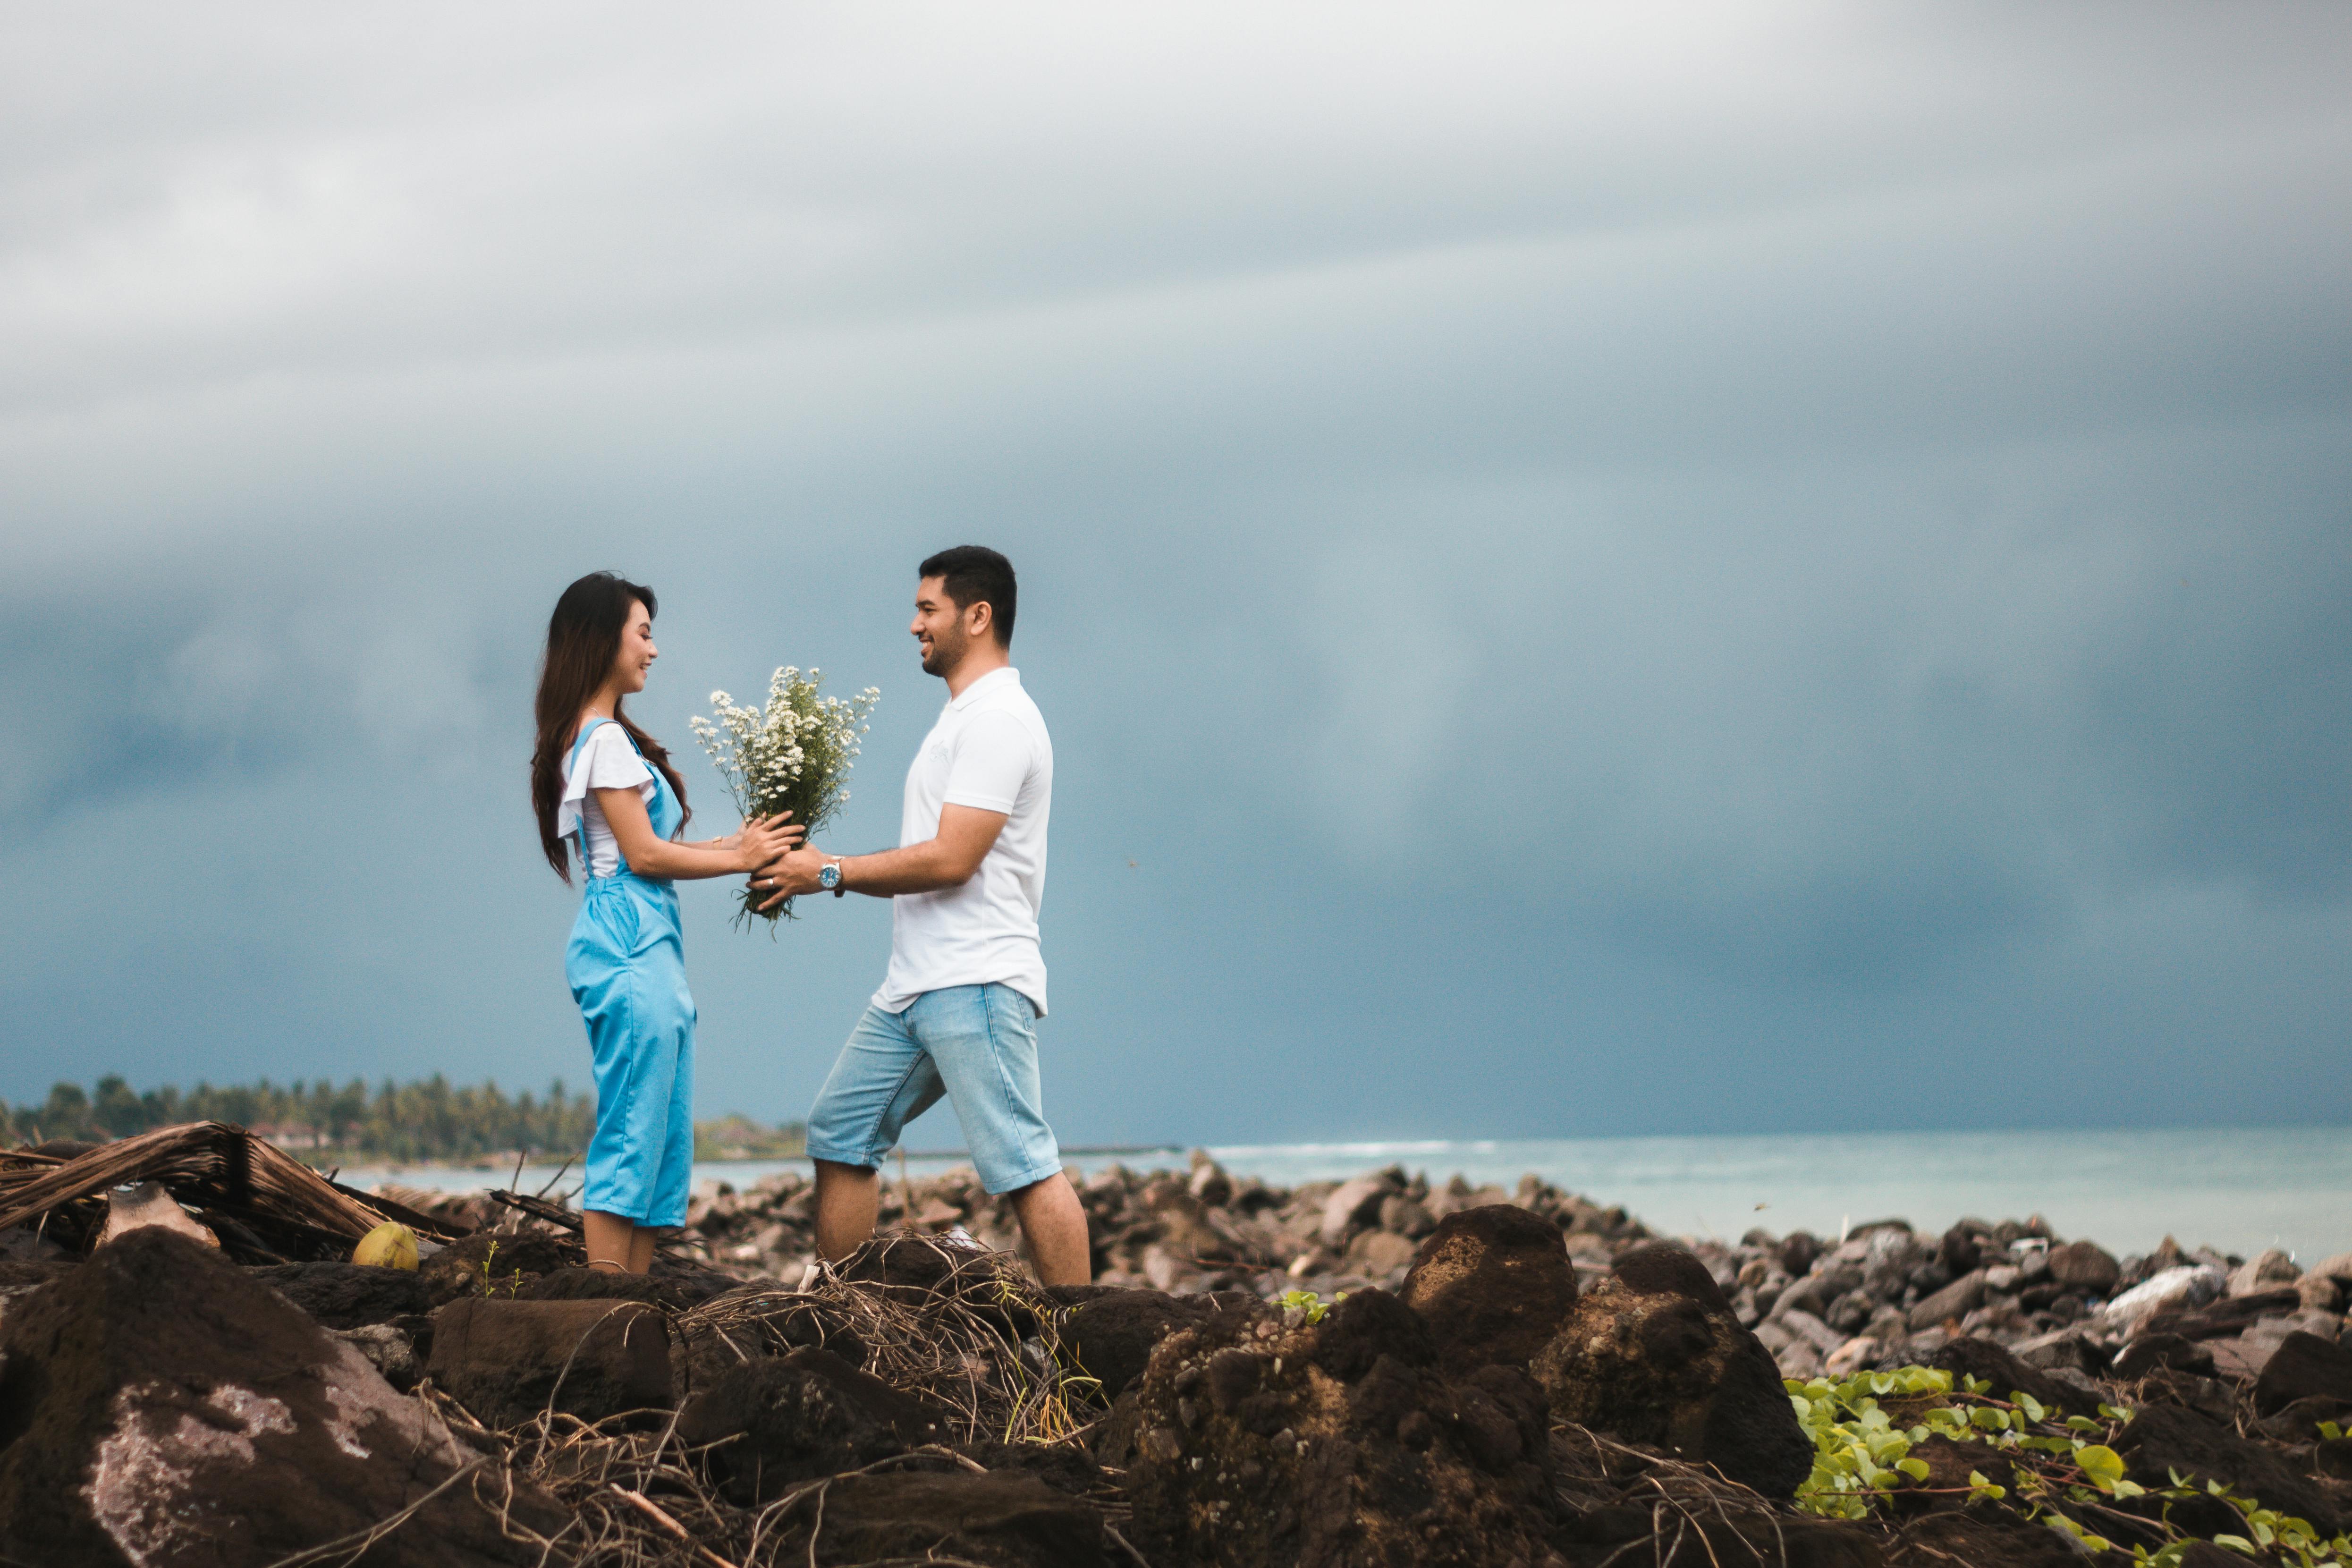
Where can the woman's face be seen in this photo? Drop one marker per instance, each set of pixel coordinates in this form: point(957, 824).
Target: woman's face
point(637, 651)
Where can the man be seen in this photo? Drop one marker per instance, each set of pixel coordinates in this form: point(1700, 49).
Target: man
point(957, 1010)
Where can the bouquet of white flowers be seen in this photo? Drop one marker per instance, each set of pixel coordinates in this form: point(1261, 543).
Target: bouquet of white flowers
point(792, 754)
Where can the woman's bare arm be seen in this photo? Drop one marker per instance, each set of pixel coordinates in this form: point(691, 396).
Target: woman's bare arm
point(757, 844)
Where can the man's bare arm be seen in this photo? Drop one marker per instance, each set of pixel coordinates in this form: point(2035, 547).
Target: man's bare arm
point(947, 860)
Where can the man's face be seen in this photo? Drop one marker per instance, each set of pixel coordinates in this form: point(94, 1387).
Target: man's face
point(938, 628)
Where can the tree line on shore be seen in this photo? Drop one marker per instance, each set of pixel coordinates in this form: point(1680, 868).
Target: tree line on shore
point(424, 1119)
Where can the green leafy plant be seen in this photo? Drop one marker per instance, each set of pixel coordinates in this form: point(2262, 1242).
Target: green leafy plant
point(1864, 1426)
point(490, 1286)
point(1308, 1302)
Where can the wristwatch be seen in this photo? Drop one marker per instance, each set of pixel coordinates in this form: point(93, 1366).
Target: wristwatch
point(830, 879)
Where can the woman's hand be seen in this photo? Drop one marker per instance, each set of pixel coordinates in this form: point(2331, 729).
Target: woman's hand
point(787, 877)
point(764, 840)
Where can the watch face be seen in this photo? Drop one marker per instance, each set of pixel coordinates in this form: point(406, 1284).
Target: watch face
point(828, 877)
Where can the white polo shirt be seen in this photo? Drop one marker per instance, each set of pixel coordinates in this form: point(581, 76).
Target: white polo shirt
point(988, 750)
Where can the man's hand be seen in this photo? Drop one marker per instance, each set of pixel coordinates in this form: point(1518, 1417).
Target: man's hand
point(788, 877)
point(950, 860)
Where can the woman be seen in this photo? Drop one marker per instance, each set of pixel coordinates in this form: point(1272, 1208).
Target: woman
point(603, 786)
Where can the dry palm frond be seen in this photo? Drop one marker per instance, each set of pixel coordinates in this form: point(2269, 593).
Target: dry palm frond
point(223, 1171)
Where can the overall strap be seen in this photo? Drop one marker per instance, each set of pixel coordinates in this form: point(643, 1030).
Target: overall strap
point(587, 867)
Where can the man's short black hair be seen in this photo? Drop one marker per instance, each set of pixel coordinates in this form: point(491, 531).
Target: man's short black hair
point(972, 573)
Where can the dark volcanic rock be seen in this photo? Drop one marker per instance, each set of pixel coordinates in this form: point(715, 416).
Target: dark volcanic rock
point(30, 1275)
point(2304, 1366)
point(1493, 1284)
point(2151, 1351)
point(921, 1270)
point(2205, 1554)
point(791, 1418)
point(1959, 1251)
point(1004, 1520)
point(1366, 1327)
point(162, 1407)
point(2296, 1422)
point(2084, 1265)
point(490, 1266)
point(911, 1266)
point(506, 1361)
point(2166, 1438)
point(605, 1285)
point(1982, 1358)
point(391, 1353)
point(1984, 1538)
point(1954, 1301)
point(1111, 1333)
point(348, 1295)
point(1065, 1466)
point(1613, 1537)
point(1654, 1354)
point(2218, 1319)
point(755, 1322)
point(1257, 1444)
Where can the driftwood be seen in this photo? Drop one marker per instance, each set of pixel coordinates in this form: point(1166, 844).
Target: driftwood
point(264, 1204)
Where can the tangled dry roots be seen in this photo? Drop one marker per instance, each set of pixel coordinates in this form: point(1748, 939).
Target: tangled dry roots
point(958, 1326)
point(950, 1328)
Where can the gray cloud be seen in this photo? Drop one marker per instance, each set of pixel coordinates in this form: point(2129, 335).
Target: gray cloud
point(1680, 561)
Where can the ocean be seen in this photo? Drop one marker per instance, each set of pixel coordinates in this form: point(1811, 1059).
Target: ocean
point(2237, 1190)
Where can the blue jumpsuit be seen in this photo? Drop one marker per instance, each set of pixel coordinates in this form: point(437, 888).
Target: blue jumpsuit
point(626, 963)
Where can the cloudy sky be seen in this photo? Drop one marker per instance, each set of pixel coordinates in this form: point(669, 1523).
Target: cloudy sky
point(1593, 569)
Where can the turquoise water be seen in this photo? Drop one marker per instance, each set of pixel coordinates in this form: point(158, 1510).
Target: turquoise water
point(2237, 1190)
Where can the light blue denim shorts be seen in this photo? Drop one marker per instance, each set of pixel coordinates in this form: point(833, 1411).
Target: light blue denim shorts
point(976, 1045)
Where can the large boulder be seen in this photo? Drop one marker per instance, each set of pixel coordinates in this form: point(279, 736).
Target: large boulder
point(506, 1361)
point(773, 1423)
point(349, 1295)
point(1257, 1444)
point(1655, 1354)
point(1493, 1283)
point(161, 1406)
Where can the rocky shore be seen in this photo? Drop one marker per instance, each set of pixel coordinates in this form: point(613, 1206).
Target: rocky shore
point(1880, 1296)
point(1375, 1371)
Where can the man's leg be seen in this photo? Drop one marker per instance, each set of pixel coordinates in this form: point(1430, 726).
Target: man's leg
point(983, 1040)
point(881, 1081)
point(1054, 1224)
point(847, 1199)
point(641, 1249)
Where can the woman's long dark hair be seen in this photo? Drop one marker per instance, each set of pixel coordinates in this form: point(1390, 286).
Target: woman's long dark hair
point(583, 639)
